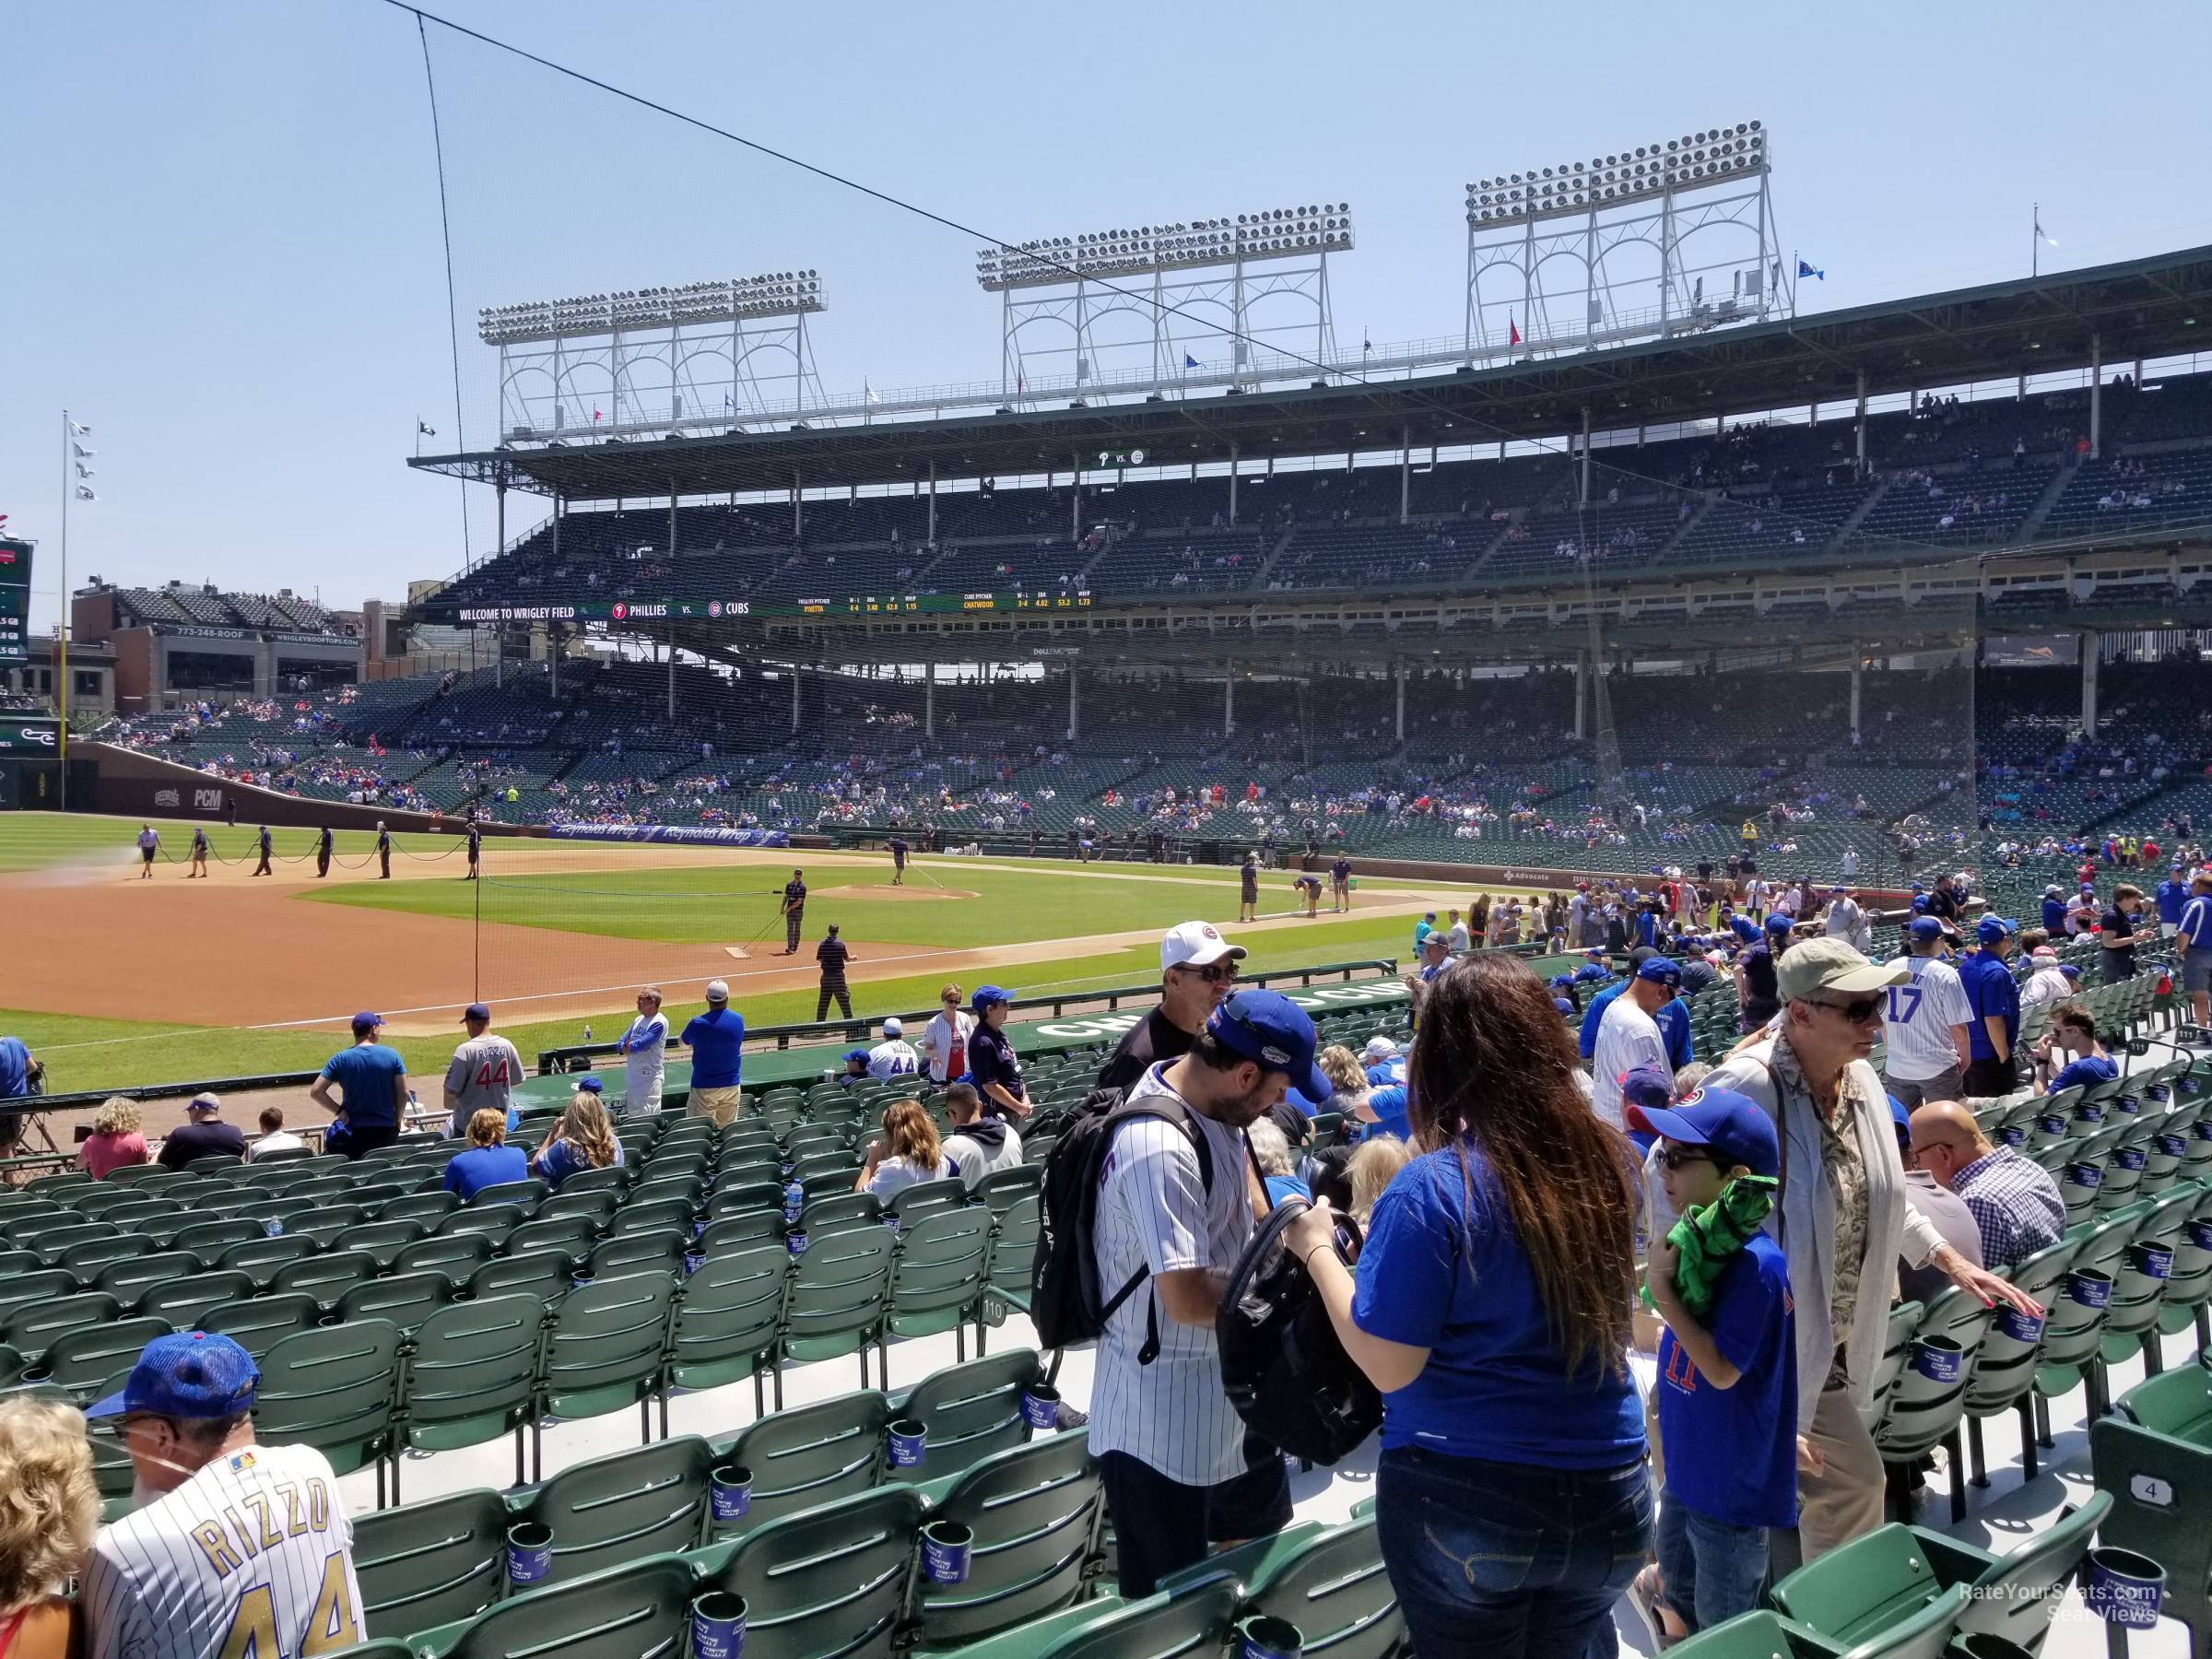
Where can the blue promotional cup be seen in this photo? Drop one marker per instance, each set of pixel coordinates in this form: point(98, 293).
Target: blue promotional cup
point(1040, 1405)
point(795, 1242)
point(2091, 1114)
point(2200, 1235)
point(2090, 1286)
point(2152, 1261)
point(2051, 1123)
point(909, 1441)
point(718, 1626)
point(1939, 1358)
point(2125, 1588)
point(1265, 1638)
point(2015, 1136)
point(947, 1548)
point(273, 1226)
point(2019, 1326)
point(578, 1281)
point(2129, 1106)
point(2131, 1158)
point(891, 1222)
point(2085, 1175)
point(692, 1263)
point(2172, 1145)
point(529, 1552)
point(731, 1490)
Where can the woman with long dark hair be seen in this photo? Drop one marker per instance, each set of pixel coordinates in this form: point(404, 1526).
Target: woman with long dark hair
point(1492, 1308)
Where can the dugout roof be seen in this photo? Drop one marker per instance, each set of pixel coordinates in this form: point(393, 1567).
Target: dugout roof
point(2145, 307)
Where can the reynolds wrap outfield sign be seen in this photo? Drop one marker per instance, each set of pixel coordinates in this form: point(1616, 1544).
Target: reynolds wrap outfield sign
point(691, 835)
point(623, 613)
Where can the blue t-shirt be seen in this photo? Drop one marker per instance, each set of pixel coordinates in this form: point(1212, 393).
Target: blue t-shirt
point(1383, 1073)
point(1280, 1187)
point(2089, 1071)
point(1389, 1107)
point(1592, 973)
point(1742, 1441)
point(1449, 1275)
point(1673, 1020)
point(2172, 897)
point(716, 1040)
point(2196, 922)
point(471, 1172)
point(2055, 917)
point(364, 1075)
point(1990, 990)
point(560, 1161)
point(14, 1068)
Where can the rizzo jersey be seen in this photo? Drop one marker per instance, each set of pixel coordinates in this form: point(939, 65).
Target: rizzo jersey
point(251, 1559)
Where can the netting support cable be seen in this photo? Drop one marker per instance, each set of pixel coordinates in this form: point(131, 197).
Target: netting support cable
point(452, 315)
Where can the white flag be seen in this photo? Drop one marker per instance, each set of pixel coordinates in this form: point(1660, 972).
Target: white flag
point(83, 471)
point(84, 494)
point(869, 393)
point(82, 452)
point(76, 430)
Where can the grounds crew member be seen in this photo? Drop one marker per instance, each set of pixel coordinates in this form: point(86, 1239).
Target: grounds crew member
point(323, 849)
point(1197, 971)
point(897, 847)
point(794, 911)
point(199, 853)
point(261, 844)
point(149, 842)
point(475, 850)
point(383, 850)
point(833, 954)
point(483, 1074)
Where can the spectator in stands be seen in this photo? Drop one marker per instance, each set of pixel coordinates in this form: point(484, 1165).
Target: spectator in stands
point(644, 1050)
point(1197, 971)
point(992, 1066)
point(2055, 910)
point(1492, 1308)
point(490, 1160)
point(2013, 1199)
point(581, 1139)
point(2171, 897)
point(2048, 980)
point(1812, 1078)
point(116, 1141)
point(274, 1135)
point(1348, 1083)
point(1628, 1034)
point(1172, 1451)
point(1278, 1171)
point(372, 1084)
point(1943, 1210)
point(202, 1134)
point(187, 1418)
point(1994, 998)
point(483, 1072)
point(1756, 970)
point(1926, 1042)
point(2069, 1053)
point(907, 1154)
point(46, 1526)
point(894, 1056)
point(716, 1039)
point(2116, 933)
point(944, 1044)
point(1375, 1164)
point(978, 1145)
point(2193, 946)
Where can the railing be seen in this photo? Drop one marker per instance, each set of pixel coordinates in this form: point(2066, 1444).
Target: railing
point(579, 1056)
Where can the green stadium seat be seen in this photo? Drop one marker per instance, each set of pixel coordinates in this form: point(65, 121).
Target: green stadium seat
point(609, 1512)
point(739, 1228)
point(1920, 1413)
point(838, 1572)
point(925, 1198)
point(1756, 1635)
point(1034, 1512)
point(1196, 1622)
point(185, 1300)
point(543, 1275)
point(1335, 1589)
point(637, 1612)
point(493, 1221)
point(659, 1250)
point(572, 1235)
point(595, 1206)
point(82, 1360)
point(607, 1349)
point(2154, 1456)
point(835, 1303)
point(729, 1318)
point(971, 1410)
point(336, 1389)
point(425, 1564)
point(89, 1259)
point(427, 1209)
point(404, 1298)
point(452, 1257)
point(844, 1211)
point(261, 1259)
point(471, 1375)
point(130, 1279)
point(2016, 1595)
point(259, 1322)
point(937, 1282)
point(32, 1325)
point(808, 1456)
point(210, 1239)
point(2004, 1374)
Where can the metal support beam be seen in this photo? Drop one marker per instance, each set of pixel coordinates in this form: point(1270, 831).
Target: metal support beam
point(1581, 690)
point(1075, 502)
point(933, 503)
point(672, 670)
point(1857, 661)
point(672, 521)
point(1229, 703)
point(1861, 430)
point(794, 697)
point(2091, 642)
point(2096, 397)
point(1232, 484)
point(1401, 725)
point(929, 699)
point(1405, 474)
point(1074, 705)
point(553, 655)
point(797, 524)
point(1585, 455)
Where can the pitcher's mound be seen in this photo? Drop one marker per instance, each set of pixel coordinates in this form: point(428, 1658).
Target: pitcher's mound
point(897, 895)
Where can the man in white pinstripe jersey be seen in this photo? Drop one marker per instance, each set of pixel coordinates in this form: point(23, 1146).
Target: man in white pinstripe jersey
point(1180, 1207)
point(236, 1548)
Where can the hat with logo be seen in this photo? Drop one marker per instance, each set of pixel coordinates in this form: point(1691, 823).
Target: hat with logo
point(1927, 929)
point(365, 1021)
point(1659, 970)
point(893, 1026)
point(590, 1084)
point(474, 1011)
point(1730, 1123)
point(1267, 1027)
point(717, 991)
point(2069, 970)
point(1833, 966)
point(1379, 1048)
point(205, 1101)
point(1195, 944)
point(1779, 924)
point(1644, 1089)
point(1991, 929)
point(987, 995)
point(197, 1376)
point(859, 1055)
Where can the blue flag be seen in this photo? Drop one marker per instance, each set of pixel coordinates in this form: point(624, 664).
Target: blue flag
point(1806, 269)
point(1189, 361)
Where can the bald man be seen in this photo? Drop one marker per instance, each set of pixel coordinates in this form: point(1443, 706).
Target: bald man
point(2013, 1200)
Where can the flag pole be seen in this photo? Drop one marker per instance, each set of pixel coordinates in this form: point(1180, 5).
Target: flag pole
point(2035, 240)
point(61, 628)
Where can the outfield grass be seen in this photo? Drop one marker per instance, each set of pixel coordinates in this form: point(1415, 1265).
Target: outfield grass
point(32, 841)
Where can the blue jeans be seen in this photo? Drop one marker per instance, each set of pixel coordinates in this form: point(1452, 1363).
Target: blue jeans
point(1709, 1570)
point(1510, 1560)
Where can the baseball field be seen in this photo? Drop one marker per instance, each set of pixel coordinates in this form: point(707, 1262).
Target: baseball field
point(115, 981)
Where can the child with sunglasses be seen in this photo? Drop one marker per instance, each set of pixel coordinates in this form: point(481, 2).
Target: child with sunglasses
point(1728, 1394)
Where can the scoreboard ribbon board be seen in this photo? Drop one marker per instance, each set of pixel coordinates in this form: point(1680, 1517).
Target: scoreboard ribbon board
point(15, 601)
point(621, 612)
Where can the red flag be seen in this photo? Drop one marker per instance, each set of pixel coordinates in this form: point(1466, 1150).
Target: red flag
point(1515, 336)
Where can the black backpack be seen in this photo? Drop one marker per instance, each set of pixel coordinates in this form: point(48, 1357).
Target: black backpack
point(1067, 1304)
point(1282, 1363)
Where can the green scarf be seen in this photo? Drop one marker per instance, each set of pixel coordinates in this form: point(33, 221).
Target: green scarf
point(1708, 1235)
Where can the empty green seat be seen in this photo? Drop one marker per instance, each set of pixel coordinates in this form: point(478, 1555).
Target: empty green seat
point(641, 1611)
point(335, 1388)
point(809, 1454)
point(1034, 1512)
point(427, 1564)
point(606, 1349)
point(832, 1580)
point(971, 1410)
point(471, 1375)
point(729, 1318)
point(838, 1291)
point(611, 1511)
point(2154, 1456)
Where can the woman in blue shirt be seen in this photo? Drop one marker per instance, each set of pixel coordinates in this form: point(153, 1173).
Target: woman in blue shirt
point(583, 1139)
point(489, 1160)
point(1492, 1308)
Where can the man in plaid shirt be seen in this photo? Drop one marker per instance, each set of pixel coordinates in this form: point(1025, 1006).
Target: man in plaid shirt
point(2013, 1199)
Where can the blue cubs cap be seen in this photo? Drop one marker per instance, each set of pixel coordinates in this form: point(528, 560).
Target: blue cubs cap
point(987, 995)
point(1644, 1090)
point(365, 1021)
point(1900, 1114)
point(859, 1055)
point(1779, 924)
point(1660, 971)
point(2069, 970)
point(1731, 1124)
point(196, 1376)
point(474, 1011)
point(1267, 1027)
point(589, 1083)
point(1990, 929)
point(1927, 929)
point(1559, 981)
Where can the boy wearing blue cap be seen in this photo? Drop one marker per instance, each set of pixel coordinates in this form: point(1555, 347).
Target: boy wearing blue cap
point(235, 1547)
point(1728, 1394)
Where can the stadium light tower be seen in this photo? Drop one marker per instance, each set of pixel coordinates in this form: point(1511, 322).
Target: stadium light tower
point(1660, 239)
point(705, 355)
point(1188, 294)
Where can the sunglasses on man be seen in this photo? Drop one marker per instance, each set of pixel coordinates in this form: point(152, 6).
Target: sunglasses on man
point(1860, 1010)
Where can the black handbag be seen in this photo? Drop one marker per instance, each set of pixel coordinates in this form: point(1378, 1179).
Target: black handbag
point(1284, 1371)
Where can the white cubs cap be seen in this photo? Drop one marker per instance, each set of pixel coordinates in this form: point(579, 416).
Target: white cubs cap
point(1195, 944)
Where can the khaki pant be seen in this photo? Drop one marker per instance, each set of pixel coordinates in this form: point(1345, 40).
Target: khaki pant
point(1844, 1499)
point(721, 1104)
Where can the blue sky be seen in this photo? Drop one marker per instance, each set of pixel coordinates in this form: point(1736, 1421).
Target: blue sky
point(223, 222)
